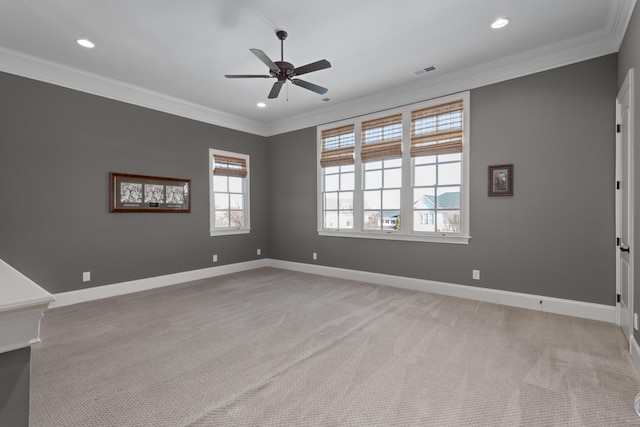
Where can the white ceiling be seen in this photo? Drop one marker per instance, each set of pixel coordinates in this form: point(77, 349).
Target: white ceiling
point(172, 55)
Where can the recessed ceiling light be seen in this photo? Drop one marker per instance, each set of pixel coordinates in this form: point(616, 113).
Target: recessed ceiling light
point(500, 23)
point(261, 105)
point(86, 43)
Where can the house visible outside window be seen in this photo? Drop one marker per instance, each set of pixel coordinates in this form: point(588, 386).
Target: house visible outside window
point(398, 175)
point(229, 194)
point(436, 149)
point(381, 155)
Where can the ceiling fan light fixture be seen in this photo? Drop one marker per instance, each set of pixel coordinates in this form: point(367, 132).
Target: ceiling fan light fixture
point(86, 43)
point(500, 23)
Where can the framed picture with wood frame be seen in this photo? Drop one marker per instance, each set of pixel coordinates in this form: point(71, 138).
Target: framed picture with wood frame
point(500, 180)
point(142, 193)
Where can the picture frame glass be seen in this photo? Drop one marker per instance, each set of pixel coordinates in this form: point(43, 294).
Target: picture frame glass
point(500, 180)
point(143, 193)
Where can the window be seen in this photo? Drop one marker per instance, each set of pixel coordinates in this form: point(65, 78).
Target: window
point(381, 155)
point(229, 195)
point(401, 174)
point(382, 192)
point(338, 178)
point(436, 149)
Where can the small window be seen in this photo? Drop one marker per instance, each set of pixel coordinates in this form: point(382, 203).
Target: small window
point(229, 195)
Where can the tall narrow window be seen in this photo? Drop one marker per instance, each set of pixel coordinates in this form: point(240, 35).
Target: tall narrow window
point(229, 192)
point(381, 154)
point(436, 149)
point(338, 180)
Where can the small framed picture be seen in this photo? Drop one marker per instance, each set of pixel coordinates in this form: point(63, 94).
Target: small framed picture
point(142, 193)
point(501, 180)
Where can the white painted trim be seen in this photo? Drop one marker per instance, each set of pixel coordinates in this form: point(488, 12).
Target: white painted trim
point(581, 309)
point(547, 57)
point(573, 308)
point(627, 88)
point(229, 232)
point(246, 228)
point(413, 237)
point(22, 303)
point(506, 68)
point(107, 291)
point(21, 64)
point(635, 354)
point(407, 190)
point(20, 328)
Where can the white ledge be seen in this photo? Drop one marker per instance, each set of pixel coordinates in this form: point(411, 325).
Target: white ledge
point(429, 238)
point(22, 303)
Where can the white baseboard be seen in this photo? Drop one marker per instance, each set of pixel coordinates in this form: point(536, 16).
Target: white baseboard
point(573, 308)
point(586, 310)
point(106, 291)
point(635, 354)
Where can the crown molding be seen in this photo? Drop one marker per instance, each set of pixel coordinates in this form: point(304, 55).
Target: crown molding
point(32, 67)
point(556, 55)
point(510, 67)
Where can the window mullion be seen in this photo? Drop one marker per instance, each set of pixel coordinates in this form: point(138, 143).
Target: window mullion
point(406, 196)
point(358, 190)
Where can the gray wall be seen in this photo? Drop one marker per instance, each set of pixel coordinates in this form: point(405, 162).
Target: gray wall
point(629, 57)
point(14, 387)
point(57, 147)
point(553, 238)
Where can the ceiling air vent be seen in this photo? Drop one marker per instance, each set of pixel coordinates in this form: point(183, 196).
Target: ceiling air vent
point(425, 70)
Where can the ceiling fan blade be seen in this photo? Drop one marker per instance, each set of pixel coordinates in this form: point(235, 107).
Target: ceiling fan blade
point(247, 76)
point(315, 88)
point(314, 66)
point(264, 58)
point(275, 90)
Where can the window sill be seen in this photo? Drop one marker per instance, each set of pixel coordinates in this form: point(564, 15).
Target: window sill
point(444, 238)
point(229, 232)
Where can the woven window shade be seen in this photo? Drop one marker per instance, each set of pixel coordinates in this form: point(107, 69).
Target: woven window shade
point(437, 130)
point(338, 146)
point(229, 166)
point(382, 139)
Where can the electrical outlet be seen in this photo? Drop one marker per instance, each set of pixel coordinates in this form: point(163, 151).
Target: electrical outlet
point(86, 276)
point(259, 252)
point(215, 258)
point(476, 274)
point(315, 255)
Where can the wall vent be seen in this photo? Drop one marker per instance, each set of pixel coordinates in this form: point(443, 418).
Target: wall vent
point(425, 70)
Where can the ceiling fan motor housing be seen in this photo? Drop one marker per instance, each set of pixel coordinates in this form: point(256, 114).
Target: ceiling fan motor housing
point(287, 70)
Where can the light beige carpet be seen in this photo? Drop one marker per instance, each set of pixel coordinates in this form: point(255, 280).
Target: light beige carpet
point(277, 348)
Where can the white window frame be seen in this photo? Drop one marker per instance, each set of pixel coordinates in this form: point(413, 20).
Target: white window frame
point(246, 228)
point(406, 232)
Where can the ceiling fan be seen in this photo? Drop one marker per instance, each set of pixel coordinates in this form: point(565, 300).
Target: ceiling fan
point(284, 71)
